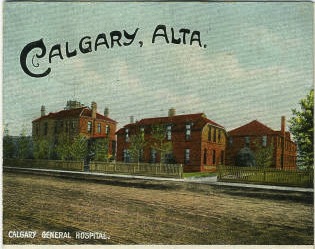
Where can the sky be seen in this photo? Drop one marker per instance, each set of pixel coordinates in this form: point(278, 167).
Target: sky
point(256, 60)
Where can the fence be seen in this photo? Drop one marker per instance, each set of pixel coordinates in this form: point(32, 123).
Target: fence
point(146, 169)
point(44, 164)
point(269, 176)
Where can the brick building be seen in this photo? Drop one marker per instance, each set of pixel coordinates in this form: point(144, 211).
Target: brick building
point(255, 133)
point(197, 142)
point(75, 119)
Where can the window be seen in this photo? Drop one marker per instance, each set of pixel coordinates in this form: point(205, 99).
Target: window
point(215, 135)
point(126, 156)
point(142, 132)
point(113, 147)
point(264, 141)
point(153, 156)
point(168, 132)
point(169, 158)
point(127, 135)
point(247, 141)
point(107, 128)
point(209, 133)
point(219, 136)
point(213, 157)
point(89, 126)
point(188, 131)
point(230, 141)
point(141, 155)
point(73, 125)
point(187, 155)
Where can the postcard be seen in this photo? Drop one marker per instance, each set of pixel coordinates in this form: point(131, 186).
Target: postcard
point(157, 123)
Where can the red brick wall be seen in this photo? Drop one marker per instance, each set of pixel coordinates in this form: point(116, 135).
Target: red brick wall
point(276, 140)
point(52, 130)
point(179, 144)
point(290, 150)
point(197, 143)
point(94, 133)
point(212, 150)
point(80, 128)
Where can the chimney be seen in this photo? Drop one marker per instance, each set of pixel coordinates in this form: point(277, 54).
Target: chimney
point(94, 108)
point(171, 112)
point(131, 119)
point(283, 125)
point(106, 112)
point(42, 111)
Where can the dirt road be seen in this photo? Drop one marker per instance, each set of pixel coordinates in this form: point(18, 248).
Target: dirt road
point(137, 215)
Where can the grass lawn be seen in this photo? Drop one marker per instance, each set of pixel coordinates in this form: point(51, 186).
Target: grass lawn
point(199, 174)
point(298, 179)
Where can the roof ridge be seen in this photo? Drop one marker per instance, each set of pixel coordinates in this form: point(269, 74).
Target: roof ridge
point(77, 112)
point(180, 115)
point(250, 126)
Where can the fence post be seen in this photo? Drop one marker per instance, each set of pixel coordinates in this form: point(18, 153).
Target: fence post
point(180, 171)
point(219, 171)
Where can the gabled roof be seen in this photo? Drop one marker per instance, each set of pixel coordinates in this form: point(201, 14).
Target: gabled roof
point(178, 122)
point(252, 128)
point(255, 128)
point(74, 113)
